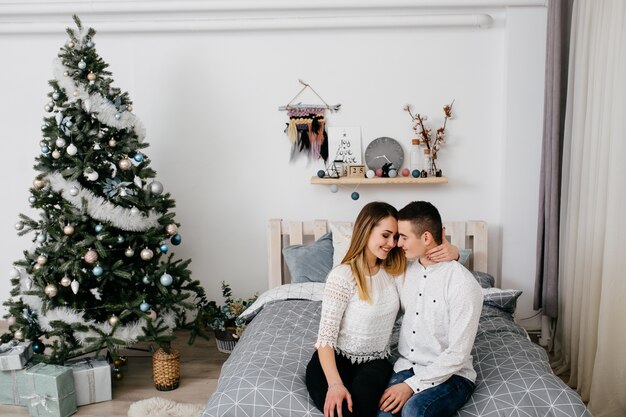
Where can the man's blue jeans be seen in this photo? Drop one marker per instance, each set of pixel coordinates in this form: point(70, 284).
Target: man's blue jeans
point(440, 401)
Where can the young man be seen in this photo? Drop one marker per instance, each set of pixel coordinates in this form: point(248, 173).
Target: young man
point(442, 302)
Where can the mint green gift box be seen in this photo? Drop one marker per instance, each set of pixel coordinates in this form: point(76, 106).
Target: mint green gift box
point(52, 392)
point(13, 388)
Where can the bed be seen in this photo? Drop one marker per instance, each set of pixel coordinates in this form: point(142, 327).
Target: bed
point(264, 375)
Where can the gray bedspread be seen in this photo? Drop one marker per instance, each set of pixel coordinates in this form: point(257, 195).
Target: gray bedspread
point(264, 375)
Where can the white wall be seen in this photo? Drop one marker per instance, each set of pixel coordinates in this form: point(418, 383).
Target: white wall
point(207, 86)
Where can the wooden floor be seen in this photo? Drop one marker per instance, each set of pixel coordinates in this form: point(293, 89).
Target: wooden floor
point(200, 367)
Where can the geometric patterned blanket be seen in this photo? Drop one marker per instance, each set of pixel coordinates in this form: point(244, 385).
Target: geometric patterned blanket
point(264, 375)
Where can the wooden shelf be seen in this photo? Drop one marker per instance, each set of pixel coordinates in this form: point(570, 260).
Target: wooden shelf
point(378, 180)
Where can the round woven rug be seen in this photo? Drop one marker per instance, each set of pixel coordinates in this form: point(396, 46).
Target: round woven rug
point(160, 407)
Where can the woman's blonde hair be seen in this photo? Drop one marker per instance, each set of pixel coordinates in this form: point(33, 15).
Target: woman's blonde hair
point(395, 263)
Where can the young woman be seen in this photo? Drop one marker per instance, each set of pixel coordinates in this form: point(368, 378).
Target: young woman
point(348, 372)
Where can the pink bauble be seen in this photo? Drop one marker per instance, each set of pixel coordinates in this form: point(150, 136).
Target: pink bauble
point(406, 172)
point(379, 172)
point(91, 256)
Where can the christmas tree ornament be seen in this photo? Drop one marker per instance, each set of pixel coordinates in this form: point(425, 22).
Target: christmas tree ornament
point(76, 93)
point(321, 173)
point(50, 290)
point(152, 314)
point(355, 195)
point(38, 183)
point(124, 164)
point(68, 230)
point(82, 64)
point(138, 158)
point(146, 280)
point(91, 76)
point(19, 226)
point(112, 143)
point(334, 188)
point(146, 254)
point(38, 346)
point(70, 44)
point(66, 73)
point(41, 238)
point(129, 252)
point(45, 150)
point(118, 116)
point(98, 228)
point(32, 199)
point(14, 273)
point(68, 122)
point(129, 107)
point(74, 286)
point(74, 191)
point(156, 187)
point(144, 306)
point(19, 335)
point(113, 320)
point(117, 374)
point(166, 280)
point(176, 239)
point(37, 267)
point(47, 108)
point(164, 248)
point(96, 146)
point(91, 174)
point(42, 259)
point(117, 362)
point(56, 154)
point(91, 257)
point(11, 321)
point(60, 142)
point(171, 229)
point(120, 239)
point(56, 95)
point(65, 281)
point(71, 149)
point(134, 211)
point(97, 270)
point(89, 44)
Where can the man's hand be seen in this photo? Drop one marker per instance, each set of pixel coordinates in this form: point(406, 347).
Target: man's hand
point(335, 396)
point(443, 252)
point(394, 398)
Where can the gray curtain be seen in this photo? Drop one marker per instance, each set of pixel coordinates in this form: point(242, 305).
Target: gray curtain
point(557, 56)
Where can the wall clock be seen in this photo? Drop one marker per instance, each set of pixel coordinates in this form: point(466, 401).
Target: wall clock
point(383, 150)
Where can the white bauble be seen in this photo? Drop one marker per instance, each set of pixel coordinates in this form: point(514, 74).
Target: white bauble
point(72, 149)
point(146, 254)
point(51, 290)
point(65, 281)
point(60, 142)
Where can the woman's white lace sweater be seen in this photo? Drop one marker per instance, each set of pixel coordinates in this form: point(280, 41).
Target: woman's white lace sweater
point(353, 327)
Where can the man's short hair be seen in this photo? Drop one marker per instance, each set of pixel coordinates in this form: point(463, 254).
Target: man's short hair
point(424, 217)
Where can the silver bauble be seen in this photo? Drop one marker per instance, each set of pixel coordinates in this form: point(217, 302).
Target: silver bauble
point(124, 164)
point(71, 149)
point(82, 64)
point(156, 187)
point(146, 254)
point(91, 76)
point(113, 320)
point(38, 183)
point(42, 259)
point(93, 175)
point(71, 44)
point(60, 142)
point(65, 281)
point(112, 143)
point(171, 229)
point(41, 237)
point(19, 226)
point(129, 252)
point(74, 191)
point(134, 211)
point(68, 230)
point(91, 257)
point(19, 335)
point(37, 267)
point(66, 73)
point(51, 290)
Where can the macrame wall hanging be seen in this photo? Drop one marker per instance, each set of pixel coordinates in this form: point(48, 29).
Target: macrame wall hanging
point(306, 128)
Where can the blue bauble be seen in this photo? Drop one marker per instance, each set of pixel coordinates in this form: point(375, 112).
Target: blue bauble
point(166, 280)
point(38, 347)
point(416, 173)
point(56, 95)
point(144, 306)
point(120, 239)
point(146, 280)
point(97, 270)
point(164, 248)
point(69, 123)
point(45, 150)
point(176, 239)
point(138, 158)
point(355, 195)
point(321, 173)
point(32, 199)
point(99, 228)
point(41, 237)
point(89, 44)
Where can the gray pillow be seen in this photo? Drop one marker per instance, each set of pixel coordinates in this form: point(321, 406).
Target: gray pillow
point(505, 300)
point(310, 263)
point(484, 279)
point(464, 255)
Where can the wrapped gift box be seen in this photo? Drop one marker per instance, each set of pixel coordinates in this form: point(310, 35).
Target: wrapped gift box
point(92, 379)
point(13, 387)
point(14, 355)
point(52, 391)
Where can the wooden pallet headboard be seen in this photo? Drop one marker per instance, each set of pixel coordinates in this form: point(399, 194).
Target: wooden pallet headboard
point(280, 233)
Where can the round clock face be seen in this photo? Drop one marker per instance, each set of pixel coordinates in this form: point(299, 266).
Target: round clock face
point(383, 150)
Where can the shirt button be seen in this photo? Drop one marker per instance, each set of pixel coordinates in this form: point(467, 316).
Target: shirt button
point(434, 301)
point(424, 276)
point(413, 331)
point(418, 390)
point(412, 350)
point(416, 313)
point(433, 384)
point(420, 294)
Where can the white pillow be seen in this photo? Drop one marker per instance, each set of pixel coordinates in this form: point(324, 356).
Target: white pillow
point(342, 234)
point(313, 291)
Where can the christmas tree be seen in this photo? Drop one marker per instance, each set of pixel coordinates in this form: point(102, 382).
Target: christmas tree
point(99, 275)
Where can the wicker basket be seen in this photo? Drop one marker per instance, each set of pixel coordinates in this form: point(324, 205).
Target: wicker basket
point(225, 341)
point(166, 369)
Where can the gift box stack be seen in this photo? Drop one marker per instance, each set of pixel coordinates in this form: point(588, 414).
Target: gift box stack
point(51, 390)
